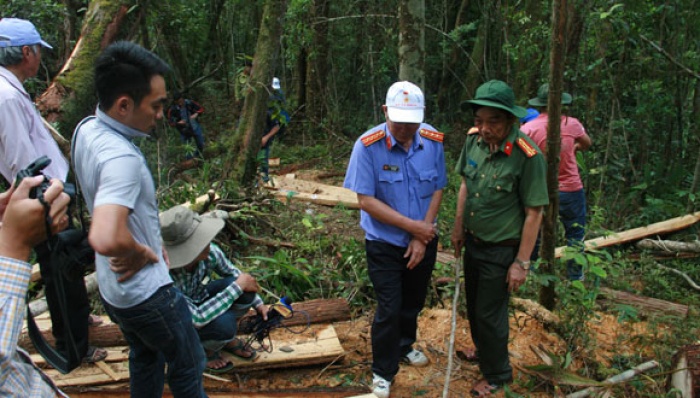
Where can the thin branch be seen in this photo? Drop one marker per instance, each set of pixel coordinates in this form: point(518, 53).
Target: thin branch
point(685, 276)
point(451, 347)
point(671, 58)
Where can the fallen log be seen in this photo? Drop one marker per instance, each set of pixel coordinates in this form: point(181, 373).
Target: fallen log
point(669, 246)
point(647, 306)
point(109, 335)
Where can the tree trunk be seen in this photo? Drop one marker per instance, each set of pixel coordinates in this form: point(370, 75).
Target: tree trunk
point(695, 132)
point(109, 335)
point(70, 97)
point(412, 41)
point(447, 79)
point(317, 64)
point(646, 305)
point(246, 143)
point(556, 75)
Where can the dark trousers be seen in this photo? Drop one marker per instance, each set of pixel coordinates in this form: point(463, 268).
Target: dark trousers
point(77, 300)
point(222, 330)
point(400, 296)
point(485, 270)
point(159, 332)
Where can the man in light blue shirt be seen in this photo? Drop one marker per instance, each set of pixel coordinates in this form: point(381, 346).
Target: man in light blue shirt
point(397, 169)
point(132, 269)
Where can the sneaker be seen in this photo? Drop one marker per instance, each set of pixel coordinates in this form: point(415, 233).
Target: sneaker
point(415, 358)
point(380, 386)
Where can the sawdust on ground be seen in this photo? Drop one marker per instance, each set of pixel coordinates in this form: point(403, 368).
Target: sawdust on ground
point(433, 338)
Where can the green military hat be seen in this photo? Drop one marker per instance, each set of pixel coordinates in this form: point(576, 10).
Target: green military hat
point(543, 97)
point(497, 94)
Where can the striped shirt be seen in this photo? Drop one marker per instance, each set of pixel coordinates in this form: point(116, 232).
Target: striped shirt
point(205, 308)
point(19, 377)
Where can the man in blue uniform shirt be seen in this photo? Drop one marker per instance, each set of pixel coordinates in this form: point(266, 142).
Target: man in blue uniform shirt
point(397, 170)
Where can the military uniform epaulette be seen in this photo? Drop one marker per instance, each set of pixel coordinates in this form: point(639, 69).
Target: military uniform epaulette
point(374, 137)
point(473, 130)
point(526, 147)
point(432, 135)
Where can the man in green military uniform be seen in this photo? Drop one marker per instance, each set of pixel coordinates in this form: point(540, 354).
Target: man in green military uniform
point(499, 211)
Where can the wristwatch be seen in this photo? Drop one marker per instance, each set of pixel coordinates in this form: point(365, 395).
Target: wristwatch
point(525, 265)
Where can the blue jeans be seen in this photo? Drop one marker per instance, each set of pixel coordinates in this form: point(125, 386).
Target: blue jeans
point(160, 330)
point(572, 214)
point(400, 297)
point(198, 140)
point(217, 333)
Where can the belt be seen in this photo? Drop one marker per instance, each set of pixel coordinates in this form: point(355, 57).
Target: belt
point(503, 243)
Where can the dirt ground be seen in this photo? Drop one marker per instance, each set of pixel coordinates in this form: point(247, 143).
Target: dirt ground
point(353, 371)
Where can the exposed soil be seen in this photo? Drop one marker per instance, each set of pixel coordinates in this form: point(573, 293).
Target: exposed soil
point(434, 336)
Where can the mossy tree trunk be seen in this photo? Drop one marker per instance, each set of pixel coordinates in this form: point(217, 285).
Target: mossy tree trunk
point(70, 97)
point(556, 76)
point(412, 41)
point(245, 144)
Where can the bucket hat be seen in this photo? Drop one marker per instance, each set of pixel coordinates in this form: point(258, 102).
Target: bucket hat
point(15, 32)
point(543, 97)
point(497, 94)
point(186, 233)
point(405, 103)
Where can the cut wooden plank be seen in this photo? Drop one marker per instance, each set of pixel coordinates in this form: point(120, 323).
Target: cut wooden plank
point(312, 192)
point(89, 375)
point(616, 238)
point(318, 345)
point(659, 228)
point(114, 354)
point(646, 305)
point(235, 393)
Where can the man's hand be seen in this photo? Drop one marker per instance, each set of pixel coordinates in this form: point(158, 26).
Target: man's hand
point(516, 277)
point(24, 219)
point(416, 252)
point(247, 283)
point(129, 265)
point(264, 140)
point(262, 309)
point(424, 231)
point(457, 241)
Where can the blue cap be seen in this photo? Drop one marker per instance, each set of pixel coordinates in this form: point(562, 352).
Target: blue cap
point(15, 32)
point(531, 114)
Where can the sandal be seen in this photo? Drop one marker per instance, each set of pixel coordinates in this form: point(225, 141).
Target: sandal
point(228, 365)
point(468, 354)
point(95, 320)
point(95, 354)
point(483, 388)
point(240, 350)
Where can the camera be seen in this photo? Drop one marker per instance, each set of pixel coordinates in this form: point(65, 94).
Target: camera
point(34, 169)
